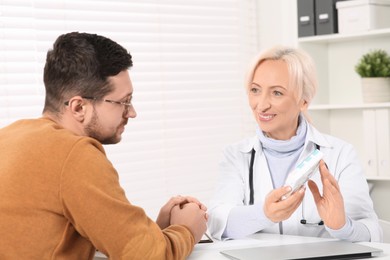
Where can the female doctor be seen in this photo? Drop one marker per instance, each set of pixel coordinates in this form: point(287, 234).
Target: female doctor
point(281, 84)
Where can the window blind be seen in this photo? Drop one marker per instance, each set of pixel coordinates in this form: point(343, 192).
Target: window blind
point(190, 59)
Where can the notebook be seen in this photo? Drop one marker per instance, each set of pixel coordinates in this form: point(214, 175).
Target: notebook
point(316, 250)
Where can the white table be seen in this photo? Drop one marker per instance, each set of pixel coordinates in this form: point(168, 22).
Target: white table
point(211, 250)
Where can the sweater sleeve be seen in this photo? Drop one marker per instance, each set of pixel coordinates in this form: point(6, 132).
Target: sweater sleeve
point(96, 205)
point(246, 220)
point(352, 231)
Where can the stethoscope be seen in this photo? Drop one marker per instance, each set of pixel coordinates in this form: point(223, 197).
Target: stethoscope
point(251, 191)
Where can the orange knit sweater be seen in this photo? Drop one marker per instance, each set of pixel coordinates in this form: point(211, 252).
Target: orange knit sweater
point(60, 198)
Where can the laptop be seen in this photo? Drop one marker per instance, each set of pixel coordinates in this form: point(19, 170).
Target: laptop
point(315, 250)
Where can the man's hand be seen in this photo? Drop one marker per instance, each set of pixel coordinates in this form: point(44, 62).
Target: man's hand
point(192, 216)
point(164, 216)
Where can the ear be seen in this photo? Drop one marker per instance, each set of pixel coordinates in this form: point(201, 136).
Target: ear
point(304, 105)
point(77, 108)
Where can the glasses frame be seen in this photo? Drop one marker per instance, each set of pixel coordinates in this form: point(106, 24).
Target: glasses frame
point(127, 105)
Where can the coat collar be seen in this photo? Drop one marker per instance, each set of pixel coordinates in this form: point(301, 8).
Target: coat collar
point(313, 137)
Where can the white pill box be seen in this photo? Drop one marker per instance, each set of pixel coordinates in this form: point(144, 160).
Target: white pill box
point(303, 172)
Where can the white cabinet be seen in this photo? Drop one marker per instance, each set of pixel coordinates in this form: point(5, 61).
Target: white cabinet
point(338, 108)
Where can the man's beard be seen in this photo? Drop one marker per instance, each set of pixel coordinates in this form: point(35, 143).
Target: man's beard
point(93, 130)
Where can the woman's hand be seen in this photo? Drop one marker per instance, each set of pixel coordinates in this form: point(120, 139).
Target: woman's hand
point(330, 205)
point(164, 216)
point(278, 210)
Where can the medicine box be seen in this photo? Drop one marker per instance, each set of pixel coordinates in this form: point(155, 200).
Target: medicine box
point(363, 15)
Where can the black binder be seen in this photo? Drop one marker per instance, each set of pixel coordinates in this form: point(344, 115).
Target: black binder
point(326, 16)
point(306, 18)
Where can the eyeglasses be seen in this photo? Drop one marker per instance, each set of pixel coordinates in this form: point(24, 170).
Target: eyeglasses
point(127, 104)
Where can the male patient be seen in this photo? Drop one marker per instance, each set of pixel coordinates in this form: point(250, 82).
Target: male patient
point(60, 197)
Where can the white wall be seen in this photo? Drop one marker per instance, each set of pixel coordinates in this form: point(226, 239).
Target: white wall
point(276, 23)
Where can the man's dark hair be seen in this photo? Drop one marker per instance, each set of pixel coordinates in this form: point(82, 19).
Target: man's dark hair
point(79, 64)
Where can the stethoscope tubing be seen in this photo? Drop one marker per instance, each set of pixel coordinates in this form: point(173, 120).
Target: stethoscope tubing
point(251, 190)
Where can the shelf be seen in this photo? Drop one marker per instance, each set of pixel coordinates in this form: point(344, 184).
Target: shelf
point(345, 37)
point(346, 107)
point(378, 178)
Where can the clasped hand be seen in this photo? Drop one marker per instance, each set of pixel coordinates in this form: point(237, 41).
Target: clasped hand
point(187, 211)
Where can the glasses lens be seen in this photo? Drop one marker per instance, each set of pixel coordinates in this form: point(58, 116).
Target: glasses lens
point(127, 106)
point(126, 109)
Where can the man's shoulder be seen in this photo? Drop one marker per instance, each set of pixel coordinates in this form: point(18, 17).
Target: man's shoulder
point(45, 132)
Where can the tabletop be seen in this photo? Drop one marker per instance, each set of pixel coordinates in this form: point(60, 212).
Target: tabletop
point(209, 251)
point(212, 250)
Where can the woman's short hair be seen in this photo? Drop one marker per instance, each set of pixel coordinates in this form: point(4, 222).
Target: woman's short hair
point(301, 68)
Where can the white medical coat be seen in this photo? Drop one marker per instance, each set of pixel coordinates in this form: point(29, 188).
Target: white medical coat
point(342, 161)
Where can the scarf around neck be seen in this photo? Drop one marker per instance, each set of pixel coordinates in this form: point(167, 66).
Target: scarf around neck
point(282, 155)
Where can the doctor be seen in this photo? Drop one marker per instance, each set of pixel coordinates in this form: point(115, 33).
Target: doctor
point(281, 84)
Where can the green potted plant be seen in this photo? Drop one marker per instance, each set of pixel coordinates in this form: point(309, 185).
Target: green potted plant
point(374, 69)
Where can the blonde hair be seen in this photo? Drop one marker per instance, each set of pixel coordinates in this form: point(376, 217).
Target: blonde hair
point(301, 68)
